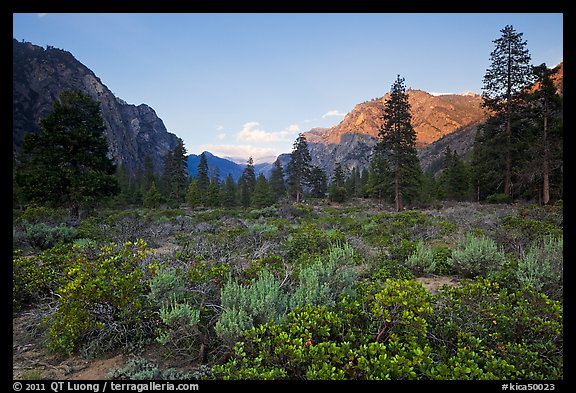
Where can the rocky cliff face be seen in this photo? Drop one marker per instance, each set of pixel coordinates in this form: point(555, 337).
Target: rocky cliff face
point(39, 76)
point(351, 142)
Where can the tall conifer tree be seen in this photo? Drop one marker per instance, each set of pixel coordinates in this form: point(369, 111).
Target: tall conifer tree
point(396, 148)
point(507, 77)
point(299, 168)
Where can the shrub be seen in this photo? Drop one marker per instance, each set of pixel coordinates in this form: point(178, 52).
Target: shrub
point(475, 256)
point(402, 307)
point(249, 305)
point(41, 236)
point(442, 261)
point(519, 232)
point(34, 277)
point(421, 260)
point(315, 342)
point(103, 297)
point(386, 268)
point(272, 263)
point(542, 266)
point(138, 368)
point(499, 198)
point(324, 280)
point(508, 335)
point(305, 241)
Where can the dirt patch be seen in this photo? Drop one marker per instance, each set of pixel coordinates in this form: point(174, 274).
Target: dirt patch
point(32, 360)
point(435, 283)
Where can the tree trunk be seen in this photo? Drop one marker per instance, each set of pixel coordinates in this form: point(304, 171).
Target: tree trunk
point(74, 213)
point(398, 195)
point(507, 158)
point(545, 169)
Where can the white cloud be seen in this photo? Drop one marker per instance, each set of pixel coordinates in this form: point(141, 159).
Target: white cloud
point(41, 15)
point(251, 132)
point(333, 113)
point(221, 136)
point(241, 153)
point(293, 128)
point(219, 128)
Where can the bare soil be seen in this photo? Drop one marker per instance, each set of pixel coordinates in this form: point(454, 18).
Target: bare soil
point(435, 283)
point(31, 359)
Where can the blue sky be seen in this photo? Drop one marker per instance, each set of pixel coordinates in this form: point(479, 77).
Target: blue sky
point(243, 85)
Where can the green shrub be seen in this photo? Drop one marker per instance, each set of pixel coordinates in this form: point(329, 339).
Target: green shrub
point(272, 263)
point(35, 277)
point(421, 260)
point(166, 286)
point(248, 305)
point(138, 368)
point(519, 232)
point(402, 306)
point(41, 236)
point(442, 261)
point(326, 278)
point(305, 241)
point(386, 268)
point(509, 335)
point(180, 330)
point(499, 198)
point(314, 342)
point(542, 266)
point(474, 256)
point(103, 297)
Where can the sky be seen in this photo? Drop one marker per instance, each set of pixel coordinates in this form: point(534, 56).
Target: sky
point(245, 85)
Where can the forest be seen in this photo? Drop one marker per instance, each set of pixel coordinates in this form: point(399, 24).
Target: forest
point(383, 273)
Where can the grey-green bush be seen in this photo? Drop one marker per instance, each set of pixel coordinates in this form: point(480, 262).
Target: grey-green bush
point(476, 256)
point(542, 266)
point(422, 259)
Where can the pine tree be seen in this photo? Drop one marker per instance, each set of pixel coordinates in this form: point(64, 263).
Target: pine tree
point(228, 192)
point(396, 154)
point(67, 163)
point(148, 176)
point(299, 168)
point(353, 184)
point(213, 193)
point(277, 184)
point(202, 178)
point(176, 174)
point(509, 74)
point(318, 182)
point(337, 190)
point(247, 183)
point(262, 196)
point(454, 180)
point(193, 196)
point(152, 197)
point(545, 108)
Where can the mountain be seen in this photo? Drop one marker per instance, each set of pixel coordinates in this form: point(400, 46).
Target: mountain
point(222, 167)
point(351, 141)
point(39, 75)
point(461, 141)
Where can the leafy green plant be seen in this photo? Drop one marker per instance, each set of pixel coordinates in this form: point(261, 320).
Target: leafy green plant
point(138, 368)
point(509, 335)
point(421, 260)
point(248, 305)
point(499, 198)
point(442, 261)
point(40, 236)
point(325, 279)
point(542, 266)
point(34, 277)
point(104, 293)
point(474, 256)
